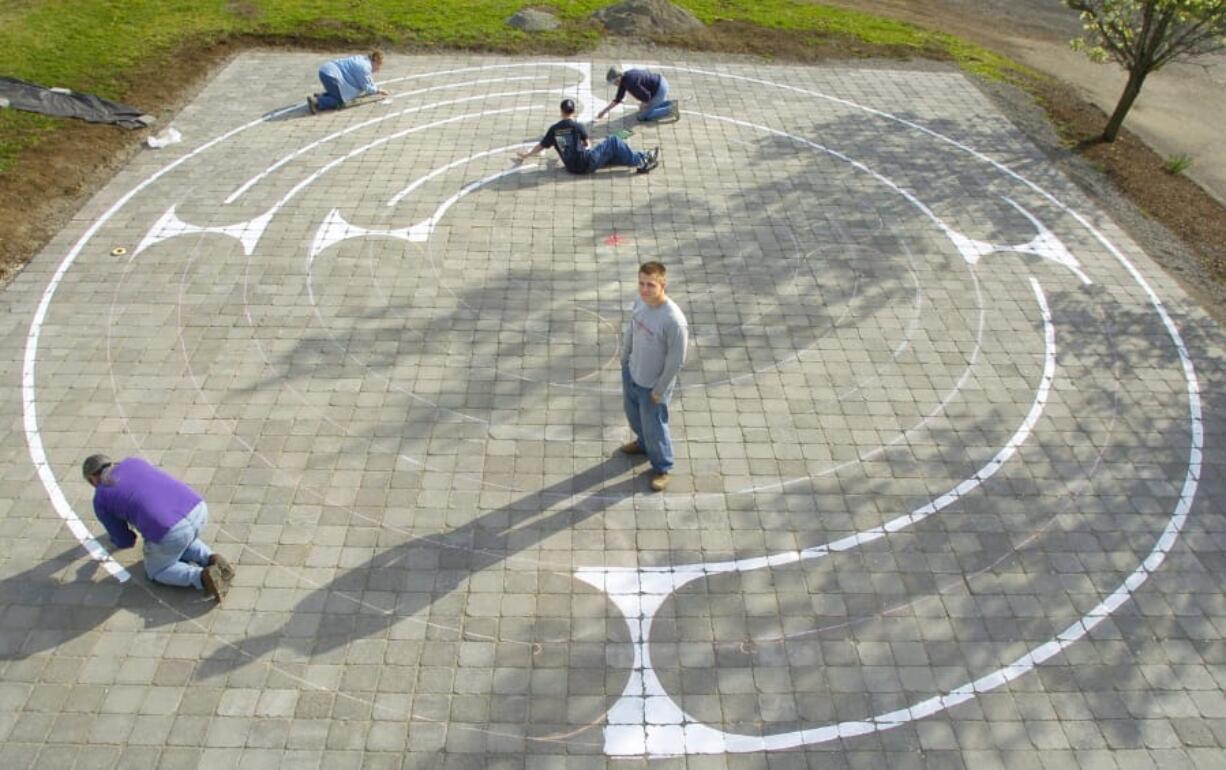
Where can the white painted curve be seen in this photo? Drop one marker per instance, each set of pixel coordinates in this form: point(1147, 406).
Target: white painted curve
point(662, 739)
point(29, 399)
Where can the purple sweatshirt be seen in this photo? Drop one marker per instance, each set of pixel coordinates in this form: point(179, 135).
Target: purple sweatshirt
point(135, 494)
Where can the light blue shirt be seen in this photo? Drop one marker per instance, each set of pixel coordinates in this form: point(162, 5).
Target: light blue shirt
point(354, 74)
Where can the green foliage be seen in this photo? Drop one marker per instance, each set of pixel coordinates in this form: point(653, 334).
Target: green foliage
point(1177, 164)
point(19, 130)
point(98, 45)
point(1146, 34)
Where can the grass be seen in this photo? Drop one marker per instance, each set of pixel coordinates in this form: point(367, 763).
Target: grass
point(1177, 164)
point(100, 46)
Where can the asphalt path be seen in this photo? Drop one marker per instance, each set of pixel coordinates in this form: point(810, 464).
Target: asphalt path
point(1181, 108)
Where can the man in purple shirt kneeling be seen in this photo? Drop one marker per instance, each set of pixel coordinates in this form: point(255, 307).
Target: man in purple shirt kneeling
point(169, 515)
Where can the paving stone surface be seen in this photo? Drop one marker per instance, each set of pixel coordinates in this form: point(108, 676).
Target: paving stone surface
point(948, 442)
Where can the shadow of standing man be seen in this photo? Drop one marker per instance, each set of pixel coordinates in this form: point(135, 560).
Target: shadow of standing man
point(425, 569)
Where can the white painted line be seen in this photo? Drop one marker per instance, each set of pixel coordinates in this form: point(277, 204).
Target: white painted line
point(573, 65)
point(442, 169)
point(250, 232)
point(1022, 665)
point(423, 230)
point(335, 229)
point(245, 186)
point(652, 586)
point(1081, 627)
point(29, 399)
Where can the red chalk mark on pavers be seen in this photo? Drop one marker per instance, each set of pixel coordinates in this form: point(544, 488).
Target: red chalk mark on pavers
point(614, 240)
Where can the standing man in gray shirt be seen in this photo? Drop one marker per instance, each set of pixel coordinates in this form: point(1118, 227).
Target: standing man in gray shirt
point(653, 350)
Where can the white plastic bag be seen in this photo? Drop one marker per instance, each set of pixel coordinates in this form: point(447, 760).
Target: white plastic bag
point(170, 136)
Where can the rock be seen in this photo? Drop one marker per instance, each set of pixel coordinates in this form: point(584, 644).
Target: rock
point(644, 18)
point(529, 20)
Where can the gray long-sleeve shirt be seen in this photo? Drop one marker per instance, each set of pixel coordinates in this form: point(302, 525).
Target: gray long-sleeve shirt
point(654, 345)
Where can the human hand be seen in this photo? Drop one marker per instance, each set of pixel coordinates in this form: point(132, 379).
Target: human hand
point(655, 399)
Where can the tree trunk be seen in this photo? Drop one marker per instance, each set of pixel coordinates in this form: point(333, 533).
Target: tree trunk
point(1131, 90)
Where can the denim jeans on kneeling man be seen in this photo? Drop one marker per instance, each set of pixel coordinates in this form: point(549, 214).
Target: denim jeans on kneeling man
point(179, 558)
point(660, 106)
point(330, 99)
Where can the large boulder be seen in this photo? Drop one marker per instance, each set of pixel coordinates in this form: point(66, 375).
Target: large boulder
point(646, 18)
point(530, 20)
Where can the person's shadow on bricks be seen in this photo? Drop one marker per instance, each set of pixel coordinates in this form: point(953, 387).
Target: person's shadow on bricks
point(425, 569)
point(44, 608)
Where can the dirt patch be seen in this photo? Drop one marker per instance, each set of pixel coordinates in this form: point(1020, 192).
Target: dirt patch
point(990, 23)
point(1177, 223)
point(737, 37)
point(48, 183)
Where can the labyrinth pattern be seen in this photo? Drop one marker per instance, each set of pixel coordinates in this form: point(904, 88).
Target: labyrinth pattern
point(945, 439)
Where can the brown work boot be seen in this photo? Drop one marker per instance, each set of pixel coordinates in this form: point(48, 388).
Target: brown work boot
point(223, 566)
point(215, 585)
point(632, 447)
point(659, 481)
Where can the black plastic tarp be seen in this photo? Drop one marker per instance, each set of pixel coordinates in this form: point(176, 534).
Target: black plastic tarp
point(35, 98)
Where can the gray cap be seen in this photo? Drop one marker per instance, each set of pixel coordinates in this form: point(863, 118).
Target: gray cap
point(613, 74)
point(94, 464)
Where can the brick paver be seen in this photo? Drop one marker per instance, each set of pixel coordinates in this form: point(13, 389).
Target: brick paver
point(407, 438)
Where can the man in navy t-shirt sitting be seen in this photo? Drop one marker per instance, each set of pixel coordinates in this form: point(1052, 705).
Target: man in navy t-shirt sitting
point(573, 146)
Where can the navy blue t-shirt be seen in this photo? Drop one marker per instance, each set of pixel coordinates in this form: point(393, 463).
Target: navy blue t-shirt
point(641, 84)
point(568, 138)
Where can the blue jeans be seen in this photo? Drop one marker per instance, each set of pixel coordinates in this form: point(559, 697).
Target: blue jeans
point(649, 421)
point(180, 557)
point(613, 152)
point(330, 99)
point(659, 106)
